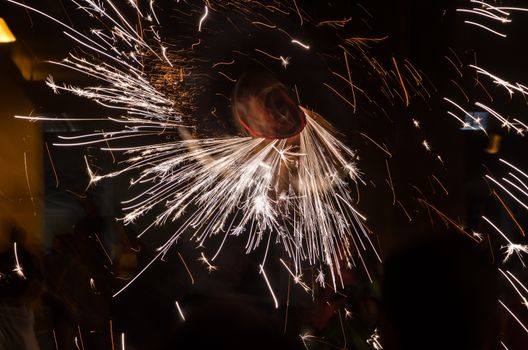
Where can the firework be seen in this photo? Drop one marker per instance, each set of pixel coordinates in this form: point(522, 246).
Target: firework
point(290, 181)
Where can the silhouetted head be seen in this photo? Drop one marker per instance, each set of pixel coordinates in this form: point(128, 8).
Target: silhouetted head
point(440, 293)
point(264, 108)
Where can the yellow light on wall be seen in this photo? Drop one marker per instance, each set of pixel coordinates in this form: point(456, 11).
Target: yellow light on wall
point(5, 34)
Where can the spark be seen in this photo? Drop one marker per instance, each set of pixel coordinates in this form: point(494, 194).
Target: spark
point(383, 148)
point(487, 14)
point(285, 61)
point(426, 145)
point(80, 336)
point(18, 268)
point(297, 42)
point(507, 191)
point(112, 334)
point(298, 11)
point(476, 120)
point(52, 166)
point(514, 316)
point(235, 181)
point(103, 248)
point(186, 268)
point(210, 267)
point(511, 247)
point(374, 340)
point(203, 19)
point(304, 337)
point(479, 236)
point(511, 88)
point(487, 28)
point(180, 311)
point(269, 286)
point(92, 285)
point(401, 81)
point(55, 340)
point(27, 177)
point(511, 278)
point(297, 279)
point(514, 167)
point(123, 346)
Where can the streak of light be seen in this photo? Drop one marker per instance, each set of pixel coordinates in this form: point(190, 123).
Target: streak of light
point(52, 166)
point(404, 210)
point(54, 20)
point(485, 13)
point(510, 213)
point(227, 63)
point(514, 316)
point(476, 120)
point(180, 311)
point(18, 268)
point(285, 61)
point(426, 145)
point(514, 167)
point(92, 285)
point(269, 286)
point(487, 28)
point(484, 88)
point(298, 12)
point(338, 94)
point(227, 77)
point(511, 247)
point(210, 268)
point(104, 249)
point(512, 283)
point(461, 90)
point(297, 279)
point(27, 178)
point(55, 340)
point(203, 19)
point(137, 276)
point(297, 42)
point(384, 149)
point(186, 268)
point(454, 65)
point(345, 53)
point(264, 24)
point(446, 218)
point(112, 335)
point(342, 329)
point(441, 185)
point(337, 23)
point(401, 81)
point(80, 336)
point(391, 185)
point(287, 305)
point(123, 346)
point(507, 191)
point(34, 119)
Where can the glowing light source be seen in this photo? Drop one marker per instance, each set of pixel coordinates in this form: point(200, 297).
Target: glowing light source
point(6, 36)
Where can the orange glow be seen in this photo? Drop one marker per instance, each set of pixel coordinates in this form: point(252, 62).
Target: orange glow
point(5, 33)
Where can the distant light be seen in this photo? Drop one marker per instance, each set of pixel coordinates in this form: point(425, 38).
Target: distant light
point(5, 33)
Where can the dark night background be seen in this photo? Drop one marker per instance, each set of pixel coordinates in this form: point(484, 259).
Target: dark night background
point(65, 220)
